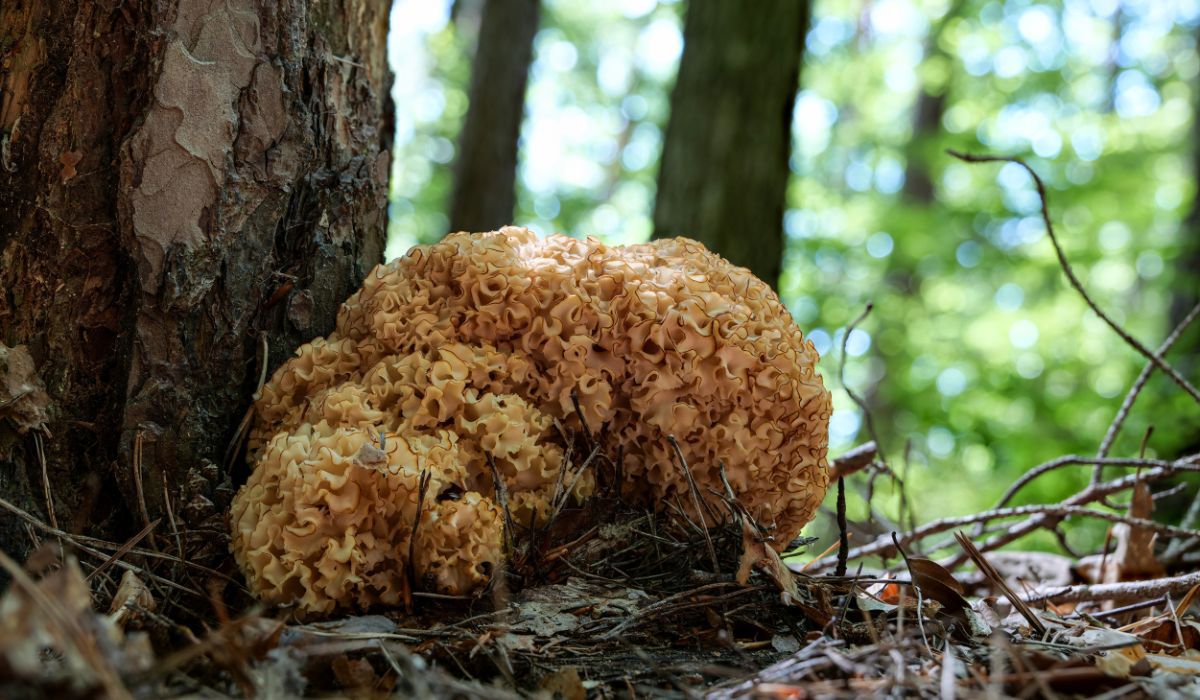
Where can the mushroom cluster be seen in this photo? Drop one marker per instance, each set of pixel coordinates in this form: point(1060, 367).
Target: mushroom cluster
point(459, 357)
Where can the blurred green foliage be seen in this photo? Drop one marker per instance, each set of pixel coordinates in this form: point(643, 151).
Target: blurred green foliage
point(978, 360)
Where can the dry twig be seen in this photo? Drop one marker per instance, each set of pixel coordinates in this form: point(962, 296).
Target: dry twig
point(1132, 342)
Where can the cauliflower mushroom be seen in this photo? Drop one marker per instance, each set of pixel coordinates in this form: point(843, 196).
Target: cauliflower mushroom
point(469, 349)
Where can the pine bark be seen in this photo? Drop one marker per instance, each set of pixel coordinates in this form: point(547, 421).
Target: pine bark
point(181, 181)
point(484, 197)
point(724, 174)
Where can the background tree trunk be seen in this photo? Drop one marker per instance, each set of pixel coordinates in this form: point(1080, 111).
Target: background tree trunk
point(927, 124)
point(181, 181)
point(484, 193)
point(1186, 289)
point(725, 155)
point(925, 146)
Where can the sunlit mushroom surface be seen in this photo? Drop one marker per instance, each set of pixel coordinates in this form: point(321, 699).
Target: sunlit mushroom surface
point(470, 349)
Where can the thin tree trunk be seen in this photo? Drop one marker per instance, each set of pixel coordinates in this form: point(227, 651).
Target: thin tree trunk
point(1185, 287)
point(484, 193)
point(928, 112)
point(724, 173)
point(1186, 290)
point(927, 123)
point(181, 181)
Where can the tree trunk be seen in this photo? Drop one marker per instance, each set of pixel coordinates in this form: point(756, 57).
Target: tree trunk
point(927, 124)
point(484, 193)
point(181, 182)
point(725, 170)
point(1186, 288)
point(1185, 284)
point(928, 111)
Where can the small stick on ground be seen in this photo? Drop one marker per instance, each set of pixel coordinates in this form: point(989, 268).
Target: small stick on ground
point(587, 431)
point(502, 498)
point(1043, 515)
point(137, 483)
point(1118, 592)
point(843, 535)
point(998, 581)
point(410, 566)
point(696, 503)
point(858, 400)
point(122, 551)
point(41, 455)
point(171, 520)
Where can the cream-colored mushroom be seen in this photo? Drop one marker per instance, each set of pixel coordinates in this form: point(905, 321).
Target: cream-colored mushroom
point(470, 348)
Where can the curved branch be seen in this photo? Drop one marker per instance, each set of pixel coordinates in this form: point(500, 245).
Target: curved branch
point(1132, 342)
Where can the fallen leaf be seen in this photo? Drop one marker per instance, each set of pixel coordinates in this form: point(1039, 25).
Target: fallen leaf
point(1175, 664)
point(885, 592)
point(1117, 653)
point(1164, 631)
point(23, 397)
point(353, 673)
point(565, 683)
point(132, 595)
point(937, 584)
point(758, 554)
point(1133, 558)
point(515, 642)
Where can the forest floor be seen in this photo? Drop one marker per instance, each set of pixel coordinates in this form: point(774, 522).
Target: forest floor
point(610, 600)
point(620, 602)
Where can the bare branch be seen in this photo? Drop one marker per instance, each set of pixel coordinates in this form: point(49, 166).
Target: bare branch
point(1118, 421)
point(1132, 342)
point(1042, 516)
point(853, 461)
point(1118, 592)
point(1076, 460)
point(858, 400)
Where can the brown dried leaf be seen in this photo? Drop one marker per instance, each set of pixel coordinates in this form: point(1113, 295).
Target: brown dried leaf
point(53, 616)
point(1133, 558)
point(756, 553)
point(353, 673)
point(132, 595)
point(1165, 632)
point(936, 583)
point(565, 683)
point(23, 397)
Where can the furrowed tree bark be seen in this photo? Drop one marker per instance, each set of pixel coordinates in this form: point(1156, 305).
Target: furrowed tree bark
point(180, 180)
point(484, 196)
point(724, 173)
